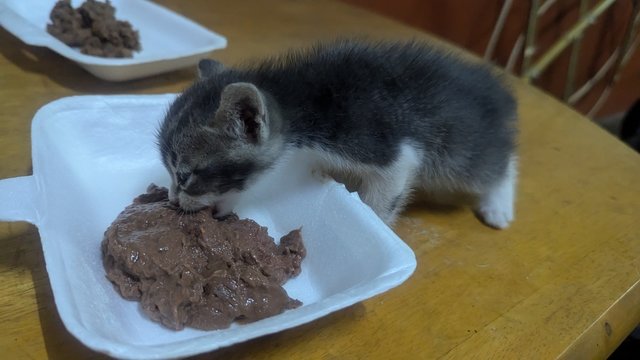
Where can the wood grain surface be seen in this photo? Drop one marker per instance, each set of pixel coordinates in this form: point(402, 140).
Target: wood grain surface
point(562, 282)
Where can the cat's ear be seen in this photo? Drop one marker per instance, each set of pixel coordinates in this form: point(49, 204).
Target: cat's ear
point(208, 67)
point(243, 113)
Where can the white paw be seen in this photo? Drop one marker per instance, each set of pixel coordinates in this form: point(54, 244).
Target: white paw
point(495, 216)
point(496, 206)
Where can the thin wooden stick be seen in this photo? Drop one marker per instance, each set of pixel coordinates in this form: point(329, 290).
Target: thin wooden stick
point(545, 6)
point(513, 57)
point(607, 91)
point(497, 30)
point(631, 37)
point(584, 89)
point(530, 47)
point(628, 46)
point(555, 50)
point(617, 60)
point(575, 53)
point(603, 96)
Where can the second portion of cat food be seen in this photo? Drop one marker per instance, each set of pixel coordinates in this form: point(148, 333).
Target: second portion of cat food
point(193, 270)
point(93, 28)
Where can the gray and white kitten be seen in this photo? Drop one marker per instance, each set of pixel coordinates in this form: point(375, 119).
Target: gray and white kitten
point(383, 118)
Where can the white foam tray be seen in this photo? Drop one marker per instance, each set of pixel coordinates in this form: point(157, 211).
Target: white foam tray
point(169, 41)
point(93, 154)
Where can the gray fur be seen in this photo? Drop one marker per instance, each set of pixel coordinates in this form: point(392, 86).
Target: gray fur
point(384, 118)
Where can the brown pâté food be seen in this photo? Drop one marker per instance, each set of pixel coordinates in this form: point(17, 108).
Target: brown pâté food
point(189, 269)
point(93, 29)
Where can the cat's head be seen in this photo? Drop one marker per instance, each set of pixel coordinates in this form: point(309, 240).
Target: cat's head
point(216, 140)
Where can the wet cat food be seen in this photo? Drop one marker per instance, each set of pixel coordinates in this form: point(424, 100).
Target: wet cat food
point(93, 29)
point(189, 269)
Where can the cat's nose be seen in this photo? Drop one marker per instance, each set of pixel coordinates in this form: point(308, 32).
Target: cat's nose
point(182, 178)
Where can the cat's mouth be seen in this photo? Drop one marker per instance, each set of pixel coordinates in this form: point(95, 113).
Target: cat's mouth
point(220, 207)
point(190, 204)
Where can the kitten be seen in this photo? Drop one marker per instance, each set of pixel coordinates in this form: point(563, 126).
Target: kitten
point(383, 118)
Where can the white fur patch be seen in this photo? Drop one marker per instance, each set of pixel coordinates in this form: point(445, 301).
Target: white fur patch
point(496, 207)
point(383, 188)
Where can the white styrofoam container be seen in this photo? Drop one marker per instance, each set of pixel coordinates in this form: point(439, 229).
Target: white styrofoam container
point(169, 41)
point(93, 154)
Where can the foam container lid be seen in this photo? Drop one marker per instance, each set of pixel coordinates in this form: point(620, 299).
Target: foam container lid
point(93, 154)
point(169, 41)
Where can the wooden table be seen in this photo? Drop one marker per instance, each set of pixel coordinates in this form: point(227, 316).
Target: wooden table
point(561, 282)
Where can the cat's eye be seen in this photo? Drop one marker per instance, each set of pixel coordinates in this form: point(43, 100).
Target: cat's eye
point(208, 172)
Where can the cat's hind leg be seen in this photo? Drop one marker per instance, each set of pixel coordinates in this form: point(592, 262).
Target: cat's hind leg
point(496, 206)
